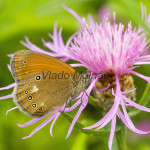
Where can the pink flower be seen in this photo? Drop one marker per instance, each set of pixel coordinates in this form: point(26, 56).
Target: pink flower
point(144, 125)
point(57, 47)
point(110, 48)
point(101, 47)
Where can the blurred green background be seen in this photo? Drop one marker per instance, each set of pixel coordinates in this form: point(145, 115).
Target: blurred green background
point(35, 19)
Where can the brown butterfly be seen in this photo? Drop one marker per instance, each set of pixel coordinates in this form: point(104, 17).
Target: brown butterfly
point(43, 82)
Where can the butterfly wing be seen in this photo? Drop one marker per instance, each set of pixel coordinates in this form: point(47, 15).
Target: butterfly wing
point(37, 97)
point(36, 92)
point(26, 63)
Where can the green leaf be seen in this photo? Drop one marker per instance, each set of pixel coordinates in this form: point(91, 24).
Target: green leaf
point(93, 132)
point(80, 142)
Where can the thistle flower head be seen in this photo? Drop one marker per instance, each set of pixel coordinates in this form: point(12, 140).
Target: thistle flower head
point(107, 48)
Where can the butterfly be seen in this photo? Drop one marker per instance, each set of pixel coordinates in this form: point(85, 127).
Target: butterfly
point(44, 83)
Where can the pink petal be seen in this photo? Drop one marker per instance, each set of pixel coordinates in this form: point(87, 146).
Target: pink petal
point(32, 121)
point(112, 111)
point(124, 120)
point(11, 109)
point(41, 125)
point(75, 15)
point(48, 45)
point(101, 90)
point(128, 91)
point(92, 22)
point(51, 127)
point(135, 104)
point(8, 87)
point(129, 122)
point(141, 76)
point(10, 55)
point(70, 39)
point(142, 63)
point(6, 97)
point(61, 42)
point(33, 47)
point(9, 68)
point(64, 59)
point(84, 103)
point(145, 56)
point(113, 125)
point(73, 107)
point(76, 65)
point(115, 106)
point(76, 117)
point(55, 37)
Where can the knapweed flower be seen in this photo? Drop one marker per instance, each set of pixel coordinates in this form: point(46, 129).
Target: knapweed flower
point(105, 48)
point(144, 124)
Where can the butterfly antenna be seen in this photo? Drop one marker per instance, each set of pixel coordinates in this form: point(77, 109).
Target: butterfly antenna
point(82, 97)
point(66, 105)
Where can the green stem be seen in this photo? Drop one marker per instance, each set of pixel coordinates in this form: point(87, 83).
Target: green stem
point(92, 101)
point(121, 138)
point(146, 92)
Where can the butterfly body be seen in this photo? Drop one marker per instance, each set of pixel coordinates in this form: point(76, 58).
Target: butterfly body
point(43, 82)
